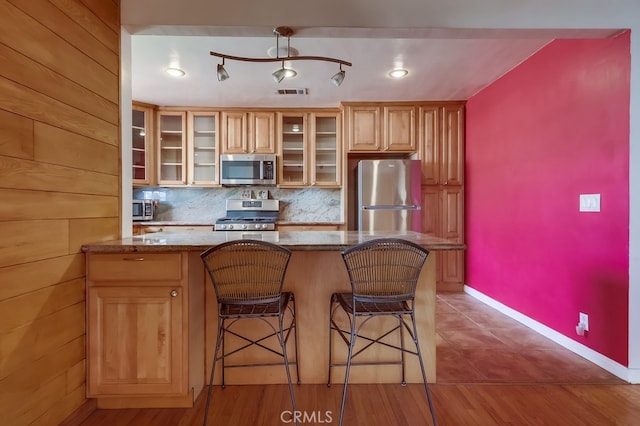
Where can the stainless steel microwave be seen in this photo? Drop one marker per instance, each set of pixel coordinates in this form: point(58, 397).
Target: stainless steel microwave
point(142, 209)
point(248, 169)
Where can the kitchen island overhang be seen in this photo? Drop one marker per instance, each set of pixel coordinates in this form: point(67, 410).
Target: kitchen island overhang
point(315, 271)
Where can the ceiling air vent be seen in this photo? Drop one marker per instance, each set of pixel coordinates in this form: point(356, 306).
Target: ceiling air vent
point(291, 91)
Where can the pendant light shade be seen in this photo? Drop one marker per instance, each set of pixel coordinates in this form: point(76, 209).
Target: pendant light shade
point(338, 77)
point(279, 74)
point(221, 72)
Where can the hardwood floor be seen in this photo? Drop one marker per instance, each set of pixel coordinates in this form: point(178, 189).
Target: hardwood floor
point(491, 371)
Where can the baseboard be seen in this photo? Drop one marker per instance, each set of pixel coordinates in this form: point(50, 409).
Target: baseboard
point(597, 358)
point(80, 414)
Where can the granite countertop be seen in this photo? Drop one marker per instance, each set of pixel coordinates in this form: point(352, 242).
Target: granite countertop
point(191, 223)
point(293, 240)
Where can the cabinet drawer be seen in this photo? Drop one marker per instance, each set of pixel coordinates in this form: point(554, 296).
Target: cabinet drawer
point(134, 266)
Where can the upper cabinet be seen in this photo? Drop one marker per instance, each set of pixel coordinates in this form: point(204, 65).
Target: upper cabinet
point(293, 149)
point(309, 148)
point(381, 127)
point(142, 144)
point(172, 148)
point(188, 148)
point(326, 149)
point(203, 148)
point(442, 143)
point(250, 132)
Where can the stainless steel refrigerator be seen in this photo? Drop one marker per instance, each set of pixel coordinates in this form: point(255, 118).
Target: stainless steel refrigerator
point(389, 195)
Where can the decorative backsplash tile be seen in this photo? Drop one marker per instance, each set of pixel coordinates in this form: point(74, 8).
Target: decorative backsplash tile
point(205, 205)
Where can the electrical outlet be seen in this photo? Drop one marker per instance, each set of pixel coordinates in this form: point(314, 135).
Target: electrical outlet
point(584, 321)
point(589, 202)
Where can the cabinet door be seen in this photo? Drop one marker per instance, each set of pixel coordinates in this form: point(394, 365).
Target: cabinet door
point(202, 146)
point(234, 132)
point(452, 225)
point(135, 340)
point(452, 153)
point(171, 148)
point(400, 128)
point(261, 137)
point(429, 128)
point(141, 144)
point(292, 145)
point(326, 149)
point(364, 128)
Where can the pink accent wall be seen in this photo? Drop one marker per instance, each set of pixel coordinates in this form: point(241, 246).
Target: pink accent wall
point(554, 127)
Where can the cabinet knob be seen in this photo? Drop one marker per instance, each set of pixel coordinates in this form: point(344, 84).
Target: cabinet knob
point(174, 293)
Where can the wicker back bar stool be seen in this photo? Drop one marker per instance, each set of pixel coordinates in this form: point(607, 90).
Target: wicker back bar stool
point(248, 276)
point(384, 274)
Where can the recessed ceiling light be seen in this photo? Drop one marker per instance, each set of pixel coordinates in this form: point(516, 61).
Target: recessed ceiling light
point(175, 72)
point(398, 73)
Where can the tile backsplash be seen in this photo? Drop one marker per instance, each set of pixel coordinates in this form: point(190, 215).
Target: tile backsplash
point(205, 205)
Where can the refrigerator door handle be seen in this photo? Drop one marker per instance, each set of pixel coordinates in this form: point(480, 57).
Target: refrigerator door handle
point(407, 207)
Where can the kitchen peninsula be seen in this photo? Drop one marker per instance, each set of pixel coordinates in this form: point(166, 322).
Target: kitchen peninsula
point(152, 314)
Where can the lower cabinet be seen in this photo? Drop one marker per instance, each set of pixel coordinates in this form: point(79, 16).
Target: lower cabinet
point(145, 329)
point(443, 216)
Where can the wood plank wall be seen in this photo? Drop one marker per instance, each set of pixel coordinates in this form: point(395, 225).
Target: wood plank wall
point(59, 188)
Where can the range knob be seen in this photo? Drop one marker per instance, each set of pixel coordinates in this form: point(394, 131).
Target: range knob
point(264, 226)
point(229, 226)
point(244, 226)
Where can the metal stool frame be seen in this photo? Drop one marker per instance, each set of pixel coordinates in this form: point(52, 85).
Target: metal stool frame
point(383, 274)
point(248, 276)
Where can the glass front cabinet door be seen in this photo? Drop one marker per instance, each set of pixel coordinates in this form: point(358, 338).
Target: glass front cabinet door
point(203, 147)
point(326, 148)
point(293, 149)
point(141, 145)
point(171, 148)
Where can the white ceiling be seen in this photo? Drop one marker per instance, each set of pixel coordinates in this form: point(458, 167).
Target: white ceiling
point(444, 63)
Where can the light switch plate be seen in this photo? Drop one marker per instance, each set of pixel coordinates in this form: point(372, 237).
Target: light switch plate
point(589, 202)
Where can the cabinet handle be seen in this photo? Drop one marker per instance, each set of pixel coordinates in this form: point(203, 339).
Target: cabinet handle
point(174, 293)
point(133, 259)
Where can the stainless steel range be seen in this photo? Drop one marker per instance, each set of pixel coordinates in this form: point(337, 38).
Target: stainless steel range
point(249, 215)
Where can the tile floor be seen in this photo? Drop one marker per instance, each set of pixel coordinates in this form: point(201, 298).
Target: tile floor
point(476, 343)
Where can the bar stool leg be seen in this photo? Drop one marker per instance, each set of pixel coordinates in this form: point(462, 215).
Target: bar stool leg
point(295, 325)
point(219, 338)
point(424, 375)
point(402, 350)
point(352, 343)
point(331, 312)
point(283, 345)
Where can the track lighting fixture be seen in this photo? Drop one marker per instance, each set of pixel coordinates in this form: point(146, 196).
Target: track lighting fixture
point(283, 72)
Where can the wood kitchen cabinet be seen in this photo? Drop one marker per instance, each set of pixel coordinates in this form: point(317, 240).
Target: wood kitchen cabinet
point(188, 147)
point(145, 329)
point(443, 216)
point(250, 132)
point(172, 148)
point(381, 127)
point(309, 147)
point(142, 144)
point(203, 148)
point(442, 143)
point(442, 153)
